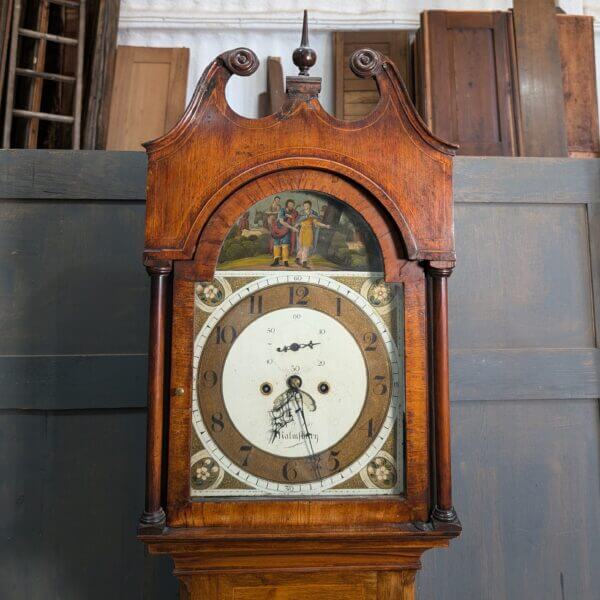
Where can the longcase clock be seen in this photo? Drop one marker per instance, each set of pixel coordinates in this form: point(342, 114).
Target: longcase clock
point(298, 409)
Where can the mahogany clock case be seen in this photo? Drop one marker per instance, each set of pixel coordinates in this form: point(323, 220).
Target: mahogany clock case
point(202, 177)
point(182, 510)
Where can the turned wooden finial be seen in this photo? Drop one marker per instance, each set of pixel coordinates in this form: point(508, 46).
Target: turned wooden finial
point(304, 57)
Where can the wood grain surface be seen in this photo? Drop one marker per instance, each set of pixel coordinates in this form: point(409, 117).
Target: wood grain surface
point(465, 92)
point(577, 54)
point(355, 98)
point(301, 135)
point(541, 98)
point(330, 586)
point(148, 94)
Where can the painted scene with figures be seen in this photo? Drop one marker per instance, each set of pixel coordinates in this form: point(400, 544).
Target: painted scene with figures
point(300, 230)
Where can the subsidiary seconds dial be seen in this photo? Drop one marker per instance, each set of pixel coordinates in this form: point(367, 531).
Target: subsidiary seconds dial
point(295, 383)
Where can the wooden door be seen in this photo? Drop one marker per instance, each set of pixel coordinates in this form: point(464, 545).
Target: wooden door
point(356, 97)
point(148, 95)
point(465, 80)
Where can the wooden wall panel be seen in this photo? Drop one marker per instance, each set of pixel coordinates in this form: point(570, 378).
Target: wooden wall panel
point(275, 84)
point(549, 338)
point(67, 175)
point(526, 467)
point(526, 479)
point(72, 490)
point(272, 100)
point(525, 443)
point(354, 97)
point(577, 55)
point(73, 295)
point(465, 80)
point(540, 292)
point(91, 296)
point(148, 95)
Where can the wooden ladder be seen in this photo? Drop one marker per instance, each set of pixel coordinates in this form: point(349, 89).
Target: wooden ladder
point(38, 74)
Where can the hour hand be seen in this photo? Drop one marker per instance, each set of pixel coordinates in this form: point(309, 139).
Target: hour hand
point(295, 346)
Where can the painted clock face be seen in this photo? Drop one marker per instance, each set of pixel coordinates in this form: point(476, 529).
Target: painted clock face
point(297, 376)
point(299, 380)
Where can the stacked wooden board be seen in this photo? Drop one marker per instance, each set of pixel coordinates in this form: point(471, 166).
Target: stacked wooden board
point(498, 83)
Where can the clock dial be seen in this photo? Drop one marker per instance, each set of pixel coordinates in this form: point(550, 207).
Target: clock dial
point(307, 344)
point(296, 382)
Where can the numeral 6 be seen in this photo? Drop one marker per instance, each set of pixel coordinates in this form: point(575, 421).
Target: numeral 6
point(289, 471)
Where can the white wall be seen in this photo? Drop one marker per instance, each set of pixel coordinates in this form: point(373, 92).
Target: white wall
point(272, 28)
point(242, 92)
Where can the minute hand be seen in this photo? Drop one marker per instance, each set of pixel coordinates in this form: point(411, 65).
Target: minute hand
point(300, 409)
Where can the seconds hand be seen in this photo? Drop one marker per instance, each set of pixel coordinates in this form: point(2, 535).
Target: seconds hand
point(295, 382)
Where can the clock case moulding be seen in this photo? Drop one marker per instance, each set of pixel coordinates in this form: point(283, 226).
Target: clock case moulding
point(202, 175)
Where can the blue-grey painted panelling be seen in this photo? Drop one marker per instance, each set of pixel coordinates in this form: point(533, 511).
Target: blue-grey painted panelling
point(72, 370)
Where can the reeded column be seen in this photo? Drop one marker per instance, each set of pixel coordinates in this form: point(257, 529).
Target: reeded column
point(159, 273)
point(439, 273)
